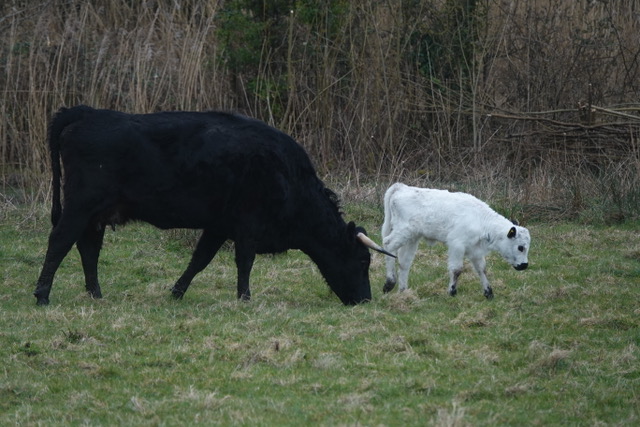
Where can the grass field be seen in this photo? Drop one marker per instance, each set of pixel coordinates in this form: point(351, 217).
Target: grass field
point(559, 344)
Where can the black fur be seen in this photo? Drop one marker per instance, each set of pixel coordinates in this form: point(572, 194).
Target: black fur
point(231, 176)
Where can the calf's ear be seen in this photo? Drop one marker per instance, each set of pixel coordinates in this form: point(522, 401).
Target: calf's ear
point(512, 233)
point(515, 222)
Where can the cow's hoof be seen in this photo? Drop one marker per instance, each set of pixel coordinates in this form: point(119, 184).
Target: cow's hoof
point(177, 293)
point(488, 293)
point(95, 294)
point(42, 301)
point(245, 297)
point(453, 292)
point(388, 286)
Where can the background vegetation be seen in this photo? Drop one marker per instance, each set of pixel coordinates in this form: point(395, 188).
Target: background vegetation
point(531, 104)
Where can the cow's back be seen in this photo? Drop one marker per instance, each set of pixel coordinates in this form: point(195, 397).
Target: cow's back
point(189, 170)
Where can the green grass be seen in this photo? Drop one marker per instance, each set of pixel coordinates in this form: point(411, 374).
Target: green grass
point(559, 344)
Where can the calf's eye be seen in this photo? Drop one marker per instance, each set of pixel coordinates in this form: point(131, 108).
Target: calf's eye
point(521, 248)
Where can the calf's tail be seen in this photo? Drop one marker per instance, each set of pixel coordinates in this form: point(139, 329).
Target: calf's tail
point(63, 118)
point(386, 225)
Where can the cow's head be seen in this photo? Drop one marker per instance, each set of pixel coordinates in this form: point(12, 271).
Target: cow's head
point(514, 246)
point(346, 268)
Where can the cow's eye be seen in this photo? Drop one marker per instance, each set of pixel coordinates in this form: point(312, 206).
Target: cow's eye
point(521, 248)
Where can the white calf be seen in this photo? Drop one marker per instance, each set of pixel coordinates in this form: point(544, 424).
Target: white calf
point(467, 226)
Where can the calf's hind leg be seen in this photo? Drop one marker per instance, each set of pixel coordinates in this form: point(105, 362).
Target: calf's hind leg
point(406, 254)
point(406, 250)
point(390, 282)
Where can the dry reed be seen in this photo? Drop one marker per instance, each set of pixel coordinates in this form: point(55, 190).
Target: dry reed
point(533, 103)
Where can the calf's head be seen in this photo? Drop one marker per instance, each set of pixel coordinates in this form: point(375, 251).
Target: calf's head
point(514, 247)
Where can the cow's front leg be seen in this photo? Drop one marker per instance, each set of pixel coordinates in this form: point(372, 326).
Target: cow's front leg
point(207, 247)
point(245, 256)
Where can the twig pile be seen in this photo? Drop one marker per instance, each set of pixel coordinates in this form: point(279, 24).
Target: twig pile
point(598, 133)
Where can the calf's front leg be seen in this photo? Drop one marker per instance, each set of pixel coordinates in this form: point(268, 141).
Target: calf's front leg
point(480, 265)
point(456, 262)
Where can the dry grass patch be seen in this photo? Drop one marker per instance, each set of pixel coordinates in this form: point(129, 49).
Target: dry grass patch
point(551, 363)
point(478, 319)
point(402, 301)
point(451, 417)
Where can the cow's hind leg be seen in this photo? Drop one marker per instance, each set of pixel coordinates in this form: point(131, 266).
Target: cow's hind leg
point(207, 247)
point(89, 247)
point(61, 240)
point(480, 265)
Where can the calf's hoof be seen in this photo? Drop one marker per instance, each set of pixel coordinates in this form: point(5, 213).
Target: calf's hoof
point(488, 293)
point(453, 292)
point(388, 286)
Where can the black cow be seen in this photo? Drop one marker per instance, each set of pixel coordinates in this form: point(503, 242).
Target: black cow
point(231, 176)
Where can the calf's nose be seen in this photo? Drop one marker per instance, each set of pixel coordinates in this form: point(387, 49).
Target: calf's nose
point(522, 266)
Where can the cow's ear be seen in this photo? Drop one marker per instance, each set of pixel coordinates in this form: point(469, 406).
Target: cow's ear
point(512, 233)
point(351, 230)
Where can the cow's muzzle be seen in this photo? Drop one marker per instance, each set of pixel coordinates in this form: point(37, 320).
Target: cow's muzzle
point(522, 266)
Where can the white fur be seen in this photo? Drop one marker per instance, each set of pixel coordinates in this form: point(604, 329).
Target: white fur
point(468, 226)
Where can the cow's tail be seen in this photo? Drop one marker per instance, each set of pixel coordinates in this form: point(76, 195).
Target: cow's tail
point(63, 118)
